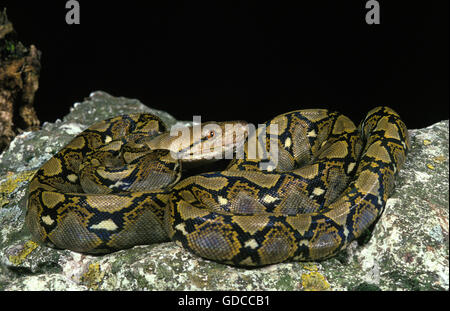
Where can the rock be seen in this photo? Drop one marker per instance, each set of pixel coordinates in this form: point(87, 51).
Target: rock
point(408, 248)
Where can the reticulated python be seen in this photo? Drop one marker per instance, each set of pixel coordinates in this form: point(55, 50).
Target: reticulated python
point(116, 185)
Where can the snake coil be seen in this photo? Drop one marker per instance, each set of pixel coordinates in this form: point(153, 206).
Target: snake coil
point(108, 189)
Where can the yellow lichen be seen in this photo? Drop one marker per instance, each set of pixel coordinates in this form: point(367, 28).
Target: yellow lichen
point(426, 142)
point(431, 167)
point(11, 183)
point(28, 247)
point(310, 267)
point(93, 277)
point(314, 281)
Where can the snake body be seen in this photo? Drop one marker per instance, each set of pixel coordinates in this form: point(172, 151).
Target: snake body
point(330, 184)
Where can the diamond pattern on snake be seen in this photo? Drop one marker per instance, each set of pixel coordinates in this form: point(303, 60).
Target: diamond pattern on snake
point(120, 183)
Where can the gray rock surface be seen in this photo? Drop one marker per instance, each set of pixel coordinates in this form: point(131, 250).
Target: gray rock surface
point(407, 250)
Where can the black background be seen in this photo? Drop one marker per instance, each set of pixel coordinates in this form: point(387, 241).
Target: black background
point(247, 60)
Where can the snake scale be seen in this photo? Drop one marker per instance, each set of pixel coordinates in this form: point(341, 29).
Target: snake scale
point(116, 185)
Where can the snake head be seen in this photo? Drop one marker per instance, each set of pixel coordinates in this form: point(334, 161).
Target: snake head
point(210, 140)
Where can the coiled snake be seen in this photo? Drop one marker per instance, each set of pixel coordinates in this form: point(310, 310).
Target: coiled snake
point(116, 185)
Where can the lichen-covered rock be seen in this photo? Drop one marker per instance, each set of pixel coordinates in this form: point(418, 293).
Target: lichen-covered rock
point(407, 250)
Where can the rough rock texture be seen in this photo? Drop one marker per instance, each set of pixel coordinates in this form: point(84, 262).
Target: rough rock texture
point(407, 250)
point(19, 80)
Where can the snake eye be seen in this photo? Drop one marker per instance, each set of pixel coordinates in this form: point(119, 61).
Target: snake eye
point(211, 134)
